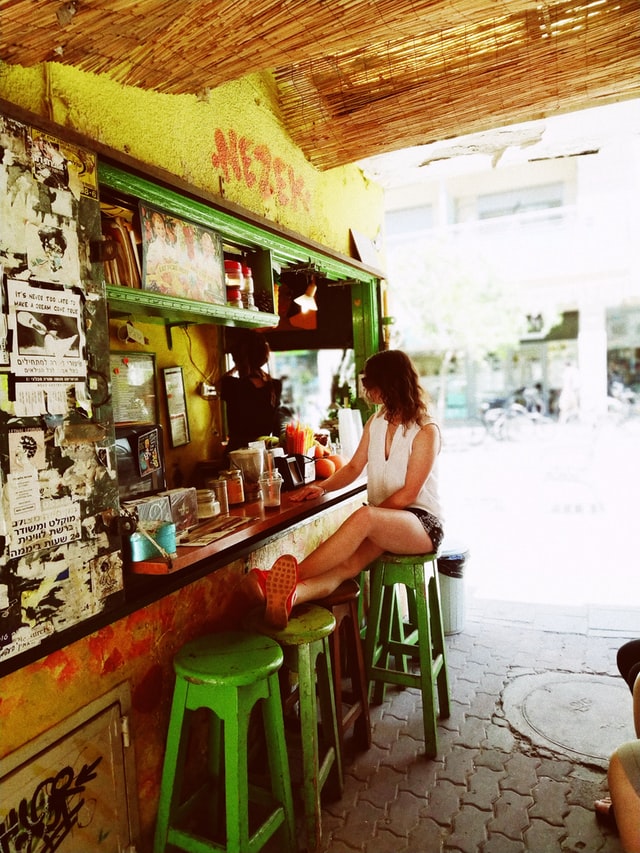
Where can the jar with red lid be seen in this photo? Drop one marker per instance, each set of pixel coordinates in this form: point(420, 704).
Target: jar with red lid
point(235, 283)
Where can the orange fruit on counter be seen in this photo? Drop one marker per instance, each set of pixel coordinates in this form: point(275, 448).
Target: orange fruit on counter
point(324, 468)
point(338, 460)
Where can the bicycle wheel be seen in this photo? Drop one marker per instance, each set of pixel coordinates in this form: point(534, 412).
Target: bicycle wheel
point(518, 425)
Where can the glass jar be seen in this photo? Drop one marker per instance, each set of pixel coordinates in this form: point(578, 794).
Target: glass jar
point(247, 293)
point(235, 283)
point(235, 486)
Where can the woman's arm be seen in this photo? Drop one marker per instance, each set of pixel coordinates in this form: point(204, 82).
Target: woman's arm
point(425, 448)
point(344, 476)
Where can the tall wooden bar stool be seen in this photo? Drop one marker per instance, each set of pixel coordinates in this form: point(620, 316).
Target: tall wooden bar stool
point(228, 674)
point(346, 648)
point(419, 637)
point(305, 643)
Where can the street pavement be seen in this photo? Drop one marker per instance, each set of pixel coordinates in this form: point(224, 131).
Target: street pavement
point(550, 591)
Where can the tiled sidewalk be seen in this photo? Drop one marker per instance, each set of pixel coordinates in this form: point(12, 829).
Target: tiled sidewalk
point(491, 790)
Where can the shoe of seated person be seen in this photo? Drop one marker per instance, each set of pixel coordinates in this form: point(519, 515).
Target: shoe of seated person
point(281, 583)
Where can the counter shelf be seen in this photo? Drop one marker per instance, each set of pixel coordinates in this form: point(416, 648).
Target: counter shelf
point(191, 563)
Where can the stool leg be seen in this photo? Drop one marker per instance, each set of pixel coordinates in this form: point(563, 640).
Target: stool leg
point(359, 684)
point(439, 648)
point(173, 766)
point(330, 727)
point(310, 747)
point(236, 730)
point(279, 761)
point(427, 685)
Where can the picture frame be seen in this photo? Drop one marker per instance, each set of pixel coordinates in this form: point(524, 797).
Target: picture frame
point(179, 433)
point(181, 258)
point(133, 387)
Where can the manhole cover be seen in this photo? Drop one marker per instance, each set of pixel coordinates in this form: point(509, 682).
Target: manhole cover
point(571, 713)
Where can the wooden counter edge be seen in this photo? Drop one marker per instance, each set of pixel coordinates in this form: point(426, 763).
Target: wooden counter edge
point(261, 523)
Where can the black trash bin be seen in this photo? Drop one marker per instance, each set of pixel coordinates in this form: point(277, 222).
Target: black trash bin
point(451, 566)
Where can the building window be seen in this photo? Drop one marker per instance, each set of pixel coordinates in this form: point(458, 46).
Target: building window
point(411, 220)
point(518, 201)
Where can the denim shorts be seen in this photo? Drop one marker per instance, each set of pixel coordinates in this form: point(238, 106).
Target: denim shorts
point(431, 524)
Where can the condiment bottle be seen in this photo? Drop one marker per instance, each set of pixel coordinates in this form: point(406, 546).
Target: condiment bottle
point(247, 292)
point(235, 486)
point(235, 283)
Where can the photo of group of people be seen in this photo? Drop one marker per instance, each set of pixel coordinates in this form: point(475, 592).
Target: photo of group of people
point(181, 258)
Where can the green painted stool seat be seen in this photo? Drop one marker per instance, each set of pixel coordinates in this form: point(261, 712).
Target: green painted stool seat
point(228, 674)
point(347, 658)
point(305, 643)
point(419, 637)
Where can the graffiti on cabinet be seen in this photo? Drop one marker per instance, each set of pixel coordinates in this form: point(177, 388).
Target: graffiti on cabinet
point(42, 821)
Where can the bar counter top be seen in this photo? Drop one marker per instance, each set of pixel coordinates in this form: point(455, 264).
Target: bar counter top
point(148, 581)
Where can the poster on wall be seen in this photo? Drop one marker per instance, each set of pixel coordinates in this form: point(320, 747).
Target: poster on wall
point(42, 183)
point(48, 352)
point(181, 258)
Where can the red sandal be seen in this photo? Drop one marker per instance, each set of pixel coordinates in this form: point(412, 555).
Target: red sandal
point(281, 583)
point(260, 577)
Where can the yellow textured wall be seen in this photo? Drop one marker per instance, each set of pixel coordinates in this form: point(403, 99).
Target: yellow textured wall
point(230, 141)
point(197, 349)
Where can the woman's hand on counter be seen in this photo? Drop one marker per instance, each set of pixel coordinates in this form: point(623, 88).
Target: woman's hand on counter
point(308, 492)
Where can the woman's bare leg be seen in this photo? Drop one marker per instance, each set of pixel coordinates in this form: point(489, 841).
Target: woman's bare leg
point(356, 543)
point(388, 529)
point(626, 803)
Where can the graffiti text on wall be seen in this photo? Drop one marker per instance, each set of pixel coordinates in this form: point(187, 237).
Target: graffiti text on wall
point(255, 165)
point(43, 822)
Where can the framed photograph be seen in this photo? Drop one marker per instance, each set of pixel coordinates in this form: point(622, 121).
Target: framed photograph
point(133, 387)
point(176, 406)
point(181, 258)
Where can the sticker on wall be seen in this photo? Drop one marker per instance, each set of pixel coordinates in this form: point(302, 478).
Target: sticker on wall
point(106, 575)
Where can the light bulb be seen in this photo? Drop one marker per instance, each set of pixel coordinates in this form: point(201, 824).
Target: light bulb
point(307, 301)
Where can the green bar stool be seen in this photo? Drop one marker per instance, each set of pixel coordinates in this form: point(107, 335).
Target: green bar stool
point(420, 637)
point(347, 660)
point(305, 642)
point(228, 674)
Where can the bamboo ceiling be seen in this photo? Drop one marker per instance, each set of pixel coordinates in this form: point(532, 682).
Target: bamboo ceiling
point(356, 77)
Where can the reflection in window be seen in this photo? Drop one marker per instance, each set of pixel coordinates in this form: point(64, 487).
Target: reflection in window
point(313, 381)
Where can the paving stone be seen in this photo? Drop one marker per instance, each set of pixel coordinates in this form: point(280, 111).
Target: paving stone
point(469, 830)
point(484, 704)
point(427, 836)
point(421, 776)
point(444, 802)
point(541, 837)
point(494, 759)
point(582, 830)
point(382, 787)
point(497, 843)
point(385, 842)
point(550, 801)
point(483, 788)
point(368, 762)
point(472, 732)
point(499, 737)
point(458, 766)
point(511, 815)
point(521, 773)
point(554, 768)
point(386, 731)
point(359, 824)
point(403, 814)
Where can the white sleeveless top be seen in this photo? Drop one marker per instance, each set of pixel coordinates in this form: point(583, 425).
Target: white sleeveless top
point(386, 476)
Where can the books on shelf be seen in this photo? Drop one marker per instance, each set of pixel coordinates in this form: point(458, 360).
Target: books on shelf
point(125, 269)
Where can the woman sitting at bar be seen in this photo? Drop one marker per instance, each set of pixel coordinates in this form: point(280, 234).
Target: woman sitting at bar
point(399, 448)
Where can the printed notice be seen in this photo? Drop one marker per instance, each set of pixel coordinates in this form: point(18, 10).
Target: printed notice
point(48, 332)
point(56, 526)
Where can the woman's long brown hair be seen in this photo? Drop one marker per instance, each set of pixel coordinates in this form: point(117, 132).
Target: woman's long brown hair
point(393, 373)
